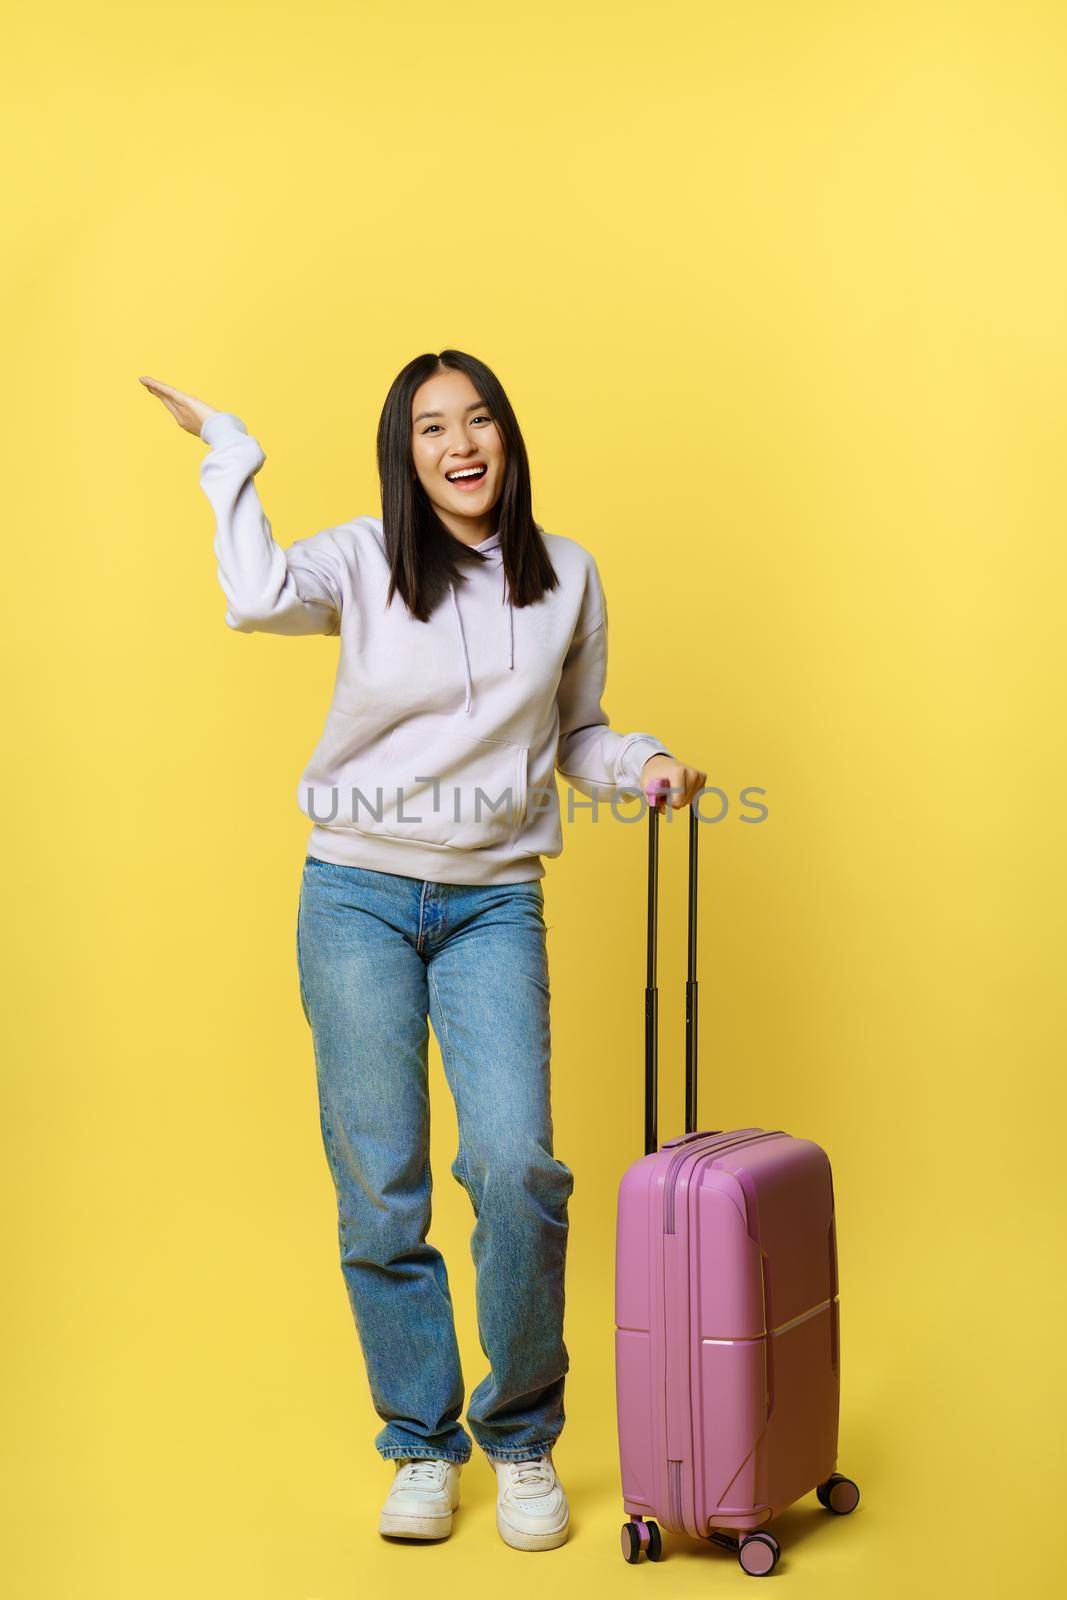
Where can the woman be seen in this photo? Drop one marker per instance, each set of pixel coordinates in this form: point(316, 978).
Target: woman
point(472, 665)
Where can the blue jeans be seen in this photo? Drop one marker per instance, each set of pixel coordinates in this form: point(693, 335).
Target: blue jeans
point(378, 955)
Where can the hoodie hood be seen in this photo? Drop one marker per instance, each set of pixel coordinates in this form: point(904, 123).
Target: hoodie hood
point(491, 548)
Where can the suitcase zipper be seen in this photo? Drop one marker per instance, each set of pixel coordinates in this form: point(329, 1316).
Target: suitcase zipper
point(700, 1148)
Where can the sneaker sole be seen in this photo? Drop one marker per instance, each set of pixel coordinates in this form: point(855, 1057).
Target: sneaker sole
point(532, 1541)
point(400, 1527)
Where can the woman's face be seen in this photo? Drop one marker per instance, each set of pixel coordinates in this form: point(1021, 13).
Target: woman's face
point(453, 432)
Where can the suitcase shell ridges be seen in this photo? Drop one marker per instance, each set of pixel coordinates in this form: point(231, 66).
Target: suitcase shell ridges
point(727, 1377)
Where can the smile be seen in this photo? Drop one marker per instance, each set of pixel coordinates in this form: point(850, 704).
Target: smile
point(467, 477)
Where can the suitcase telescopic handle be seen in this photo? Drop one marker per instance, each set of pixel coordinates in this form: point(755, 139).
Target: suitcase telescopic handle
point(652, 991)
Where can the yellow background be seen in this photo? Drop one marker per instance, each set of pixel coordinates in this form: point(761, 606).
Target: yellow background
point(777, 291)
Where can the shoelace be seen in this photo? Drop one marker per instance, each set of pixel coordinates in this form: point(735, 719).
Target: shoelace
point(419, 1474)
point(534, 1475)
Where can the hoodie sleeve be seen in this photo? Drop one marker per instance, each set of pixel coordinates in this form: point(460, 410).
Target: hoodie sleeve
point(268, 589)
point(592, 757)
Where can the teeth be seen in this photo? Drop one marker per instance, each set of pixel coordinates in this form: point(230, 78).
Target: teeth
point(464, 472)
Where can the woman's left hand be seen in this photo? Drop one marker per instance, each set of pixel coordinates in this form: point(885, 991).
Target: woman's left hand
point(685, 783)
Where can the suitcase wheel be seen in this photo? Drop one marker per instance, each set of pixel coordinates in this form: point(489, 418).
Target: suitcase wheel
point(638, 1536)
point(839, 1495)
point(758, 1554)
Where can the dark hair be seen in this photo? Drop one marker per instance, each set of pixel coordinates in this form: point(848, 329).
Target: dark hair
point(424, 557)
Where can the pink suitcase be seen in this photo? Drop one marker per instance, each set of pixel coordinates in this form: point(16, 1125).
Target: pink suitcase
point(727, 1359)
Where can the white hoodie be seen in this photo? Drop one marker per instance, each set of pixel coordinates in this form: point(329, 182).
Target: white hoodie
point(439, 752)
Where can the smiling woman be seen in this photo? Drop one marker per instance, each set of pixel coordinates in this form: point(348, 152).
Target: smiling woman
point(420, 901)
point(445, 415)
point(461, 444)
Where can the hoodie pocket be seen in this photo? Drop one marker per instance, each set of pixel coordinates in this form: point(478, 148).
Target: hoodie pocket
point(346, 780)
point(423, 781)
point(448, 789)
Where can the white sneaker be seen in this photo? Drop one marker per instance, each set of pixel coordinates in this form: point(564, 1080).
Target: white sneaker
point(531, 1508)
point(421, 1501)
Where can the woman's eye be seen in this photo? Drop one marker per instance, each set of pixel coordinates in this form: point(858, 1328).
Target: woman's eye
point(483, 417)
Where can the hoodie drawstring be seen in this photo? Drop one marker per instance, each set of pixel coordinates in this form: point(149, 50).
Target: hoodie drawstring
point(468, 685)
point(462, 648)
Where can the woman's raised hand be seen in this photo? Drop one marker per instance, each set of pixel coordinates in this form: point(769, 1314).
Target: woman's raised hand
point(191, 413)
